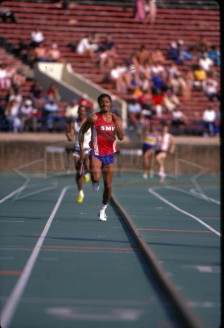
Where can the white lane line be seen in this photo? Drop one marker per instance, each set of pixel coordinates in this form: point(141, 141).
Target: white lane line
point(12, 194)
point(195, 193)
point(38, 191)
point(13, 300)
point(182, 211)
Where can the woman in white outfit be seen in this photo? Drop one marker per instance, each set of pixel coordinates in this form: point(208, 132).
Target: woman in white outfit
point(165, 145)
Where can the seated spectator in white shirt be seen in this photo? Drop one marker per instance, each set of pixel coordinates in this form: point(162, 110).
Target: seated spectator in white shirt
point(205, 62)
point(211, 88)
point(178, 117)
point(86, 46)
point(36, 38)
point(209, 121)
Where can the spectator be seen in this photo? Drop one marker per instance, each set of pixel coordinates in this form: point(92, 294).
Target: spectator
point(86, 46)
point(170, 101)
point(214, 55)
point(199, 76)
point(199, 47)
point(107, 53)
point(178, 84)
point(151, 11)
point(140, 10)
point(50, 114)
point(141, 57)
point(37, 37)
point(183, 53)
point(134, 114)
point(85, 102)
point(147, 111)
point(209, 121)
point(157, 102)
point(36, 89)
point(205, 62)
point(71, 110)
point(40, 53)
point(52, 93)
point(158, 82)
point(178, 118)
point(211, 88)
point(174, 54)
point(4, 124)
point(27, 116)
point(53, 54)
point(17, 78)
point(7, 15)
point(157, 56)
point(12, 114)
point(118, 77)
point(39, 103)
point(15, 95)
point(5, 81)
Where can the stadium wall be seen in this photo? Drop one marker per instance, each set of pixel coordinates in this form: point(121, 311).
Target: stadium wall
point(44, 154)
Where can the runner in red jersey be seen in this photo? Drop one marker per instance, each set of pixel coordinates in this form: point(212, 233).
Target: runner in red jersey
point(105, 126)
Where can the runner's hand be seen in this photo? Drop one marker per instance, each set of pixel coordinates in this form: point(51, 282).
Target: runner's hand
point(115, 118)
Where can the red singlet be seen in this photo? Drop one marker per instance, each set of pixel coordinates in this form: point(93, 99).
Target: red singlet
point(103, 141)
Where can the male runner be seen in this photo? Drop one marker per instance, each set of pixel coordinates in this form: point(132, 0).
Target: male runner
point(104, 126)
point(72, 132)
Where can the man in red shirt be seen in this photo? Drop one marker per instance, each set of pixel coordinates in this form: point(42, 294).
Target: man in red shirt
point(105, 126)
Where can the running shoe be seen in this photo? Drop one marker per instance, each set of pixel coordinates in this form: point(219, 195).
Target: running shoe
point(102, 216)
point(80, 198)
point(96, 186)
point(87, 177)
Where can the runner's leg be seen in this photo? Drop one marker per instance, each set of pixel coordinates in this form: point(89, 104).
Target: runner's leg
point(107, 172)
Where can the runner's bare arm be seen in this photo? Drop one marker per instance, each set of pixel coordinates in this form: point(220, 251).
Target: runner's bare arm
point(70, 131)
point(172, 145)
point(118, 126)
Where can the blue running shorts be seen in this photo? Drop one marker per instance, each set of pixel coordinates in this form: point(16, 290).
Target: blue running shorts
point(107, 159)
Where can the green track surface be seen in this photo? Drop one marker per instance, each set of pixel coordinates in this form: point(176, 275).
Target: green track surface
point(90, 273)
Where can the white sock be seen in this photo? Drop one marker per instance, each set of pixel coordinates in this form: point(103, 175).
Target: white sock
point(81, 192)
point(103, 207)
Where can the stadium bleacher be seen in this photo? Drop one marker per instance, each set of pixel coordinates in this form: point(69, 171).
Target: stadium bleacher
point(174, 21)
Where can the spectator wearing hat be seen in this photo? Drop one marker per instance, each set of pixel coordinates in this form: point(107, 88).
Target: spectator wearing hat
point(85, 102)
